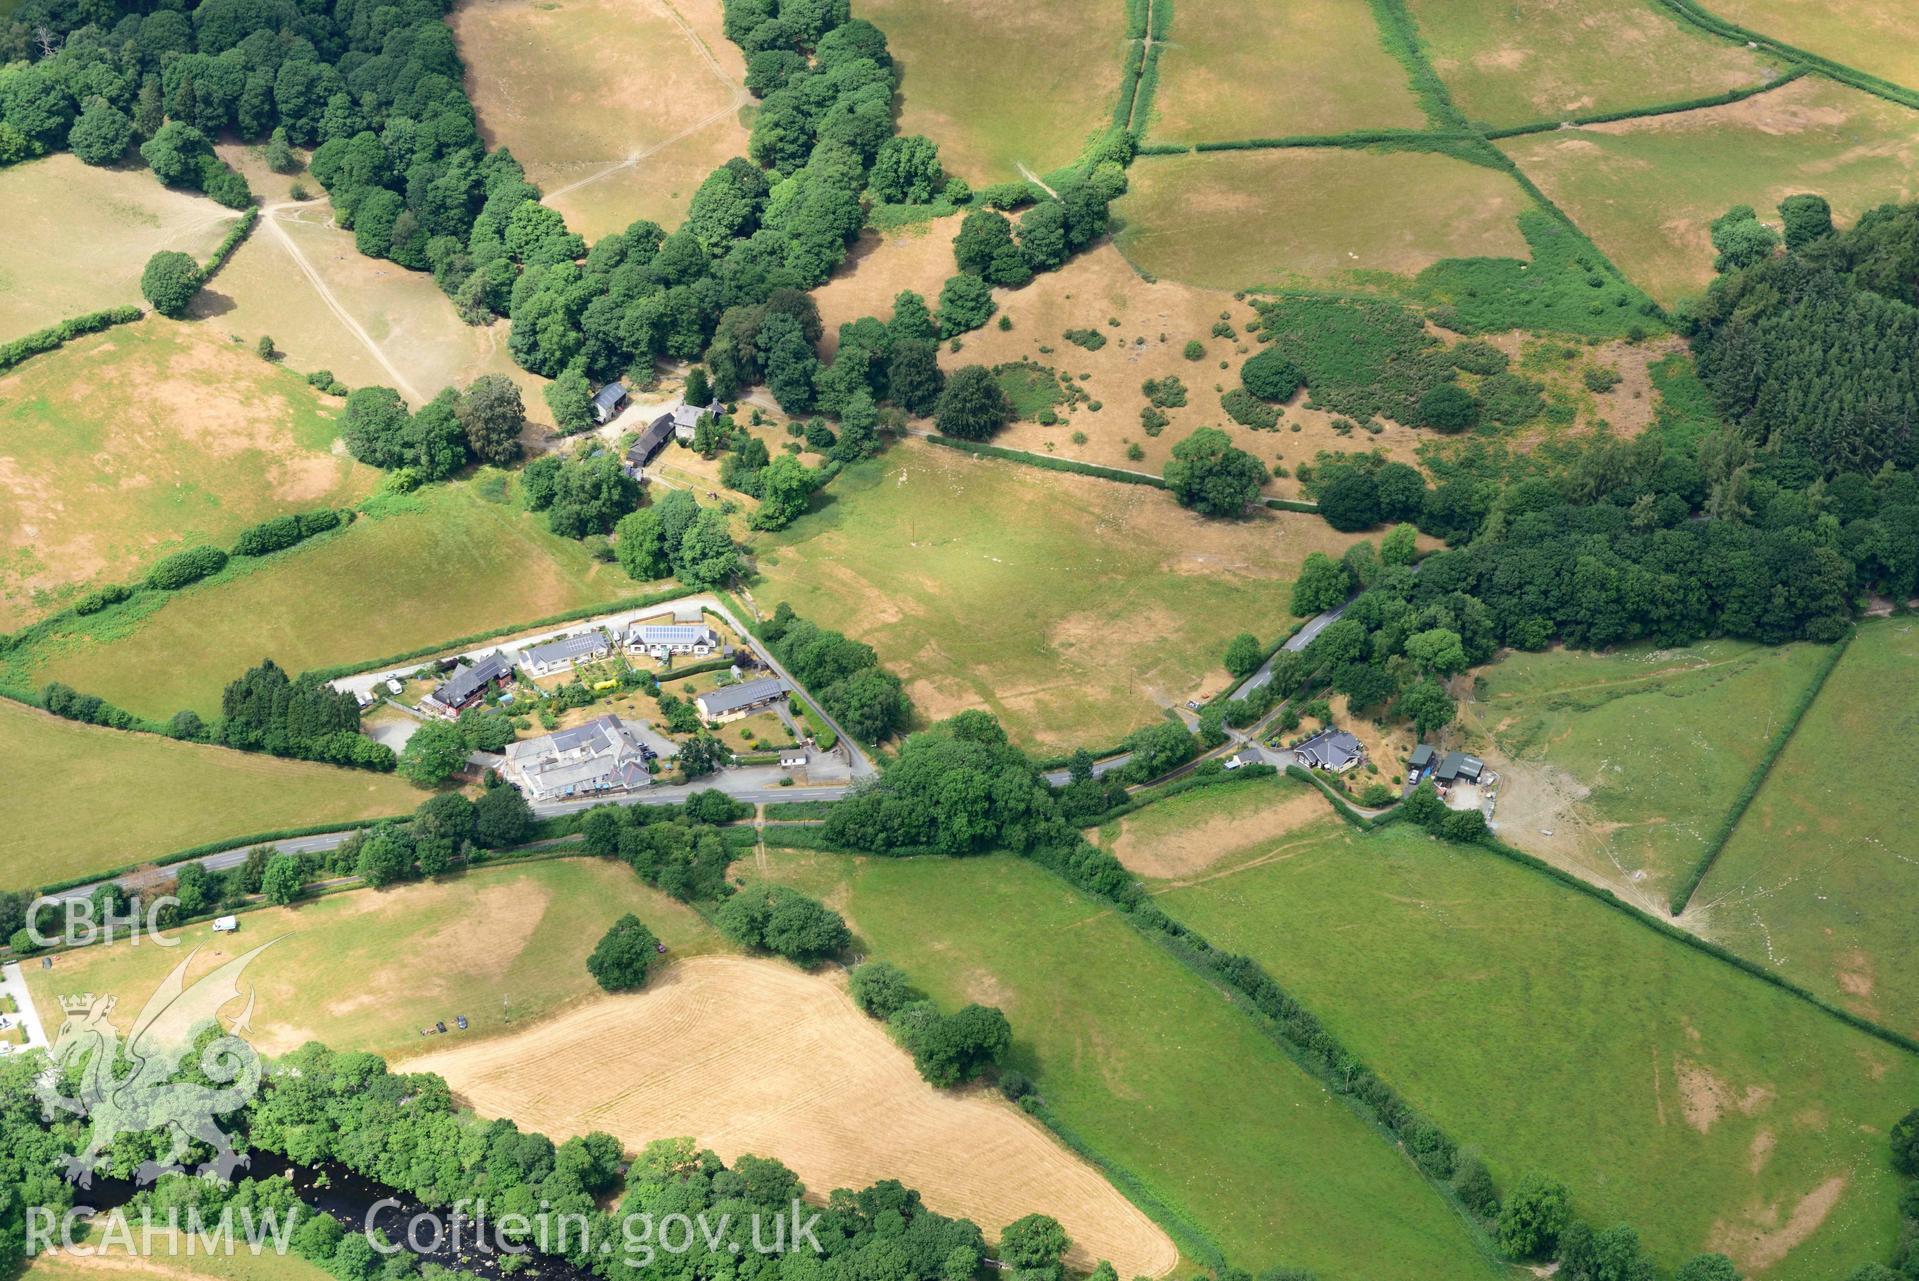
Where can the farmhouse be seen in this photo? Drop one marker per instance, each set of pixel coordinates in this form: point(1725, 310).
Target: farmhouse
point(467, 686)
point(662, 640)
point(603, 755)
point(1332, 750)
point(730, 702)
point(560, 655)
point(608, 401)
point(1242, 758)
point(687, 418)
point(1457, 767)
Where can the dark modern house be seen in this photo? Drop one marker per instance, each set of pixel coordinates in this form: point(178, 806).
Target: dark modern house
point(467, 686)
point(1457, 767)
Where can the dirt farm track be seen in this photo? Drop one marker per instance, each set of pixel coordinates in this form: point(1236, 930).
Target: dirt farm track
point(756, 1057)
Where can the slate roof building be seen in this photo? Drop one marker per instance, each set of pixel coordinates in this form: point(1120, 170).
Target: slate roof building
point(687, 418)
point(608, 401)
point(560, 655)
point(1332, 750)
point(603, 755)
point(1421, 761)
point(651, 437)
point(730, 702)
point(1458, 767)
point(467, 686)
point(664, 639)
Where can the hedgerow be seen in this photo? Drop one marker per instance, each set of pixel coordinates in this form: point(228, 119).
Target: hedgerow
point(53, 337)
point(190, 566)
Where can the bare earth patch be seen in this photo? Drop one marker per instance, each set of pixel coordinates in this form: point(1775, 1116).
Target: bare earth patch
point(919, 258)
point(751, 1056)
point(1152, 851)
point(1768, 1233)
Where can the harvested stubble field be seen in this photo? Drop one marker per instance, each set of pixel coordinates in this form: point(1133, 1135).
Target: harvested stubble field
point(1228, 73)
point(1039, 78)
point(602, 102)
point(1630, 759)
point(882, 264)
point(1073, 609)
point(1820, 878)
point(78, 236)
point(299, 279)
point(1318, 216)
point(171, 1259)
point(124, 445)
point(754, 1056)
point(1646, 190)
point(1876, 36)
point(1551, 1033)
point(366, 970)
point(1148, 1065)
point(1098, 287)
point(446, 561)
point(187, 794)
point(1515, 63)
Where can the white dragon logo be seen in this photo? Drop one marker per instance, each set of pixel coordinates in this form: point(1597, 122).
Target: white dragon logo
point(132, 1091)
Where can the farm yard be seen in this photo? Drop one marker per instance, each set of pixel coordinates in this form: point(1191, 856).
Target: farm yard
point(429, 566)
point(1308, 69)
point(78, 237)
point(1630, 759)
point(1128, 1049)
point(1513, 64)
point(1645, 190)
point(1040, 79)
point(188, 795)
point(1550, 1033)
point(367, 970)
point(1074, 609)
point(616, 111)
point(132, 443)
point(1314, 216)
point(755, 1056)
point(1818, 878)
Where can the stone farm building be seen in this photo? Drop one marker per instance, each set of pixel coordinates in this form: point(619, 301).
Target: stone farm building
point(603, 755)
point(1332, 750)
point(467, 686)
point(607, 403)
point(560, 655)
point(680, 421)
point(662, 640)
point(730, 702)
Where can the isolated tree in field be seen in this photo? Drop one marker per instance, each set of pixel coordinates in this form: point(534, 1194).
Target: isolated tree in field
point(1447, 408)
point(283, 880)
point(102, 134)
point(1536, 1212)
point(374, 426)
point(624, 956)
point(1707, 1267)
point(881, 989)
point(501, 817)
point(785, 922)
point(973, 406)
point(435, 751)
point(492, 414)
point(912, 320)
point(280, 157)
point(966, 303)
point(913, 376)
point(1209, 474)
point(1243, 654)
point(169, 282)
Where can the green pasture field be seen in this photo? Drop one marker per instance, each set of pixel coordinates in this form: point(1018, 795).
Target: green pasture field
point(1073, 609)
point(1631, 759)
point(1226, 74)
point(1322, 216)
point(1820, 877)
point(1152, 1068)
point(202, 438)
point(446, 561)
point(1874, 36)
point(366, 970)
point(170, 1260)
point(1038, 80)
point(83, 799)
point(78, 237)
point(1528, 60)
point(1551, 1033)
point(1646, 190)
